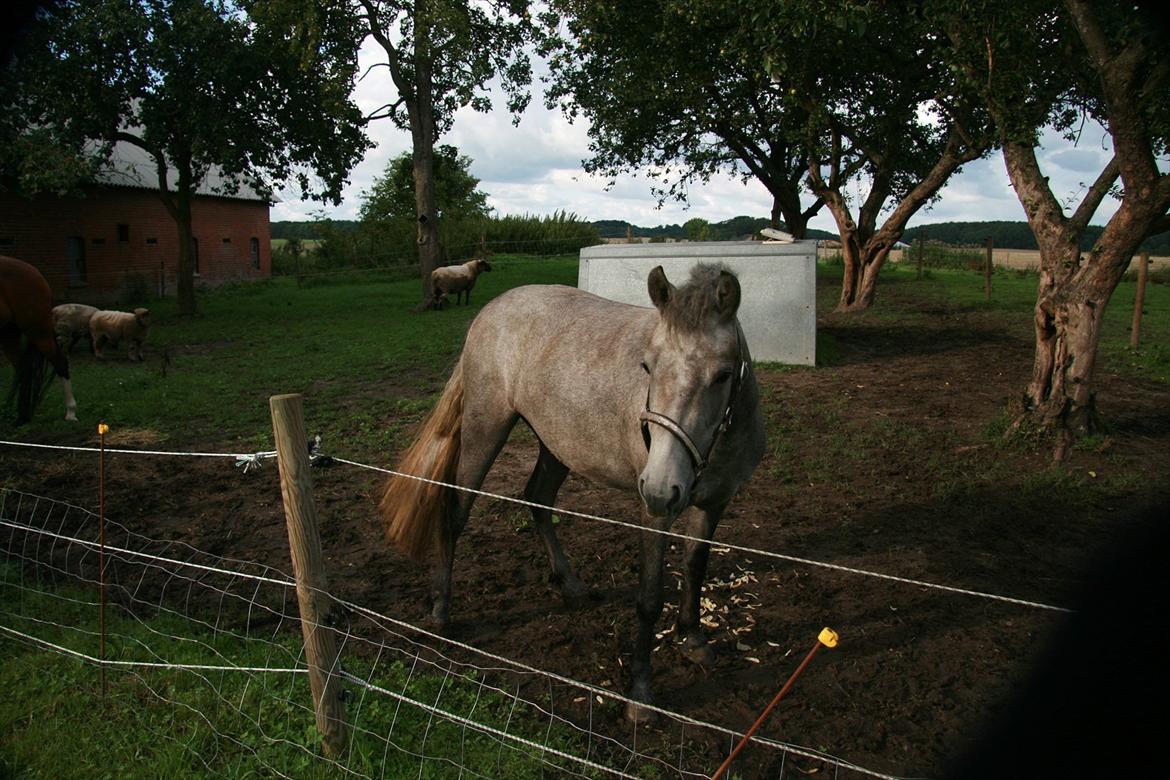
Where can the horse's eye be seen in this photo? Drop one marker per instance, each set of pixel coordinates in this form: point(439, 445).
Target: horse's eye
point(645, 367)
point(722, 376)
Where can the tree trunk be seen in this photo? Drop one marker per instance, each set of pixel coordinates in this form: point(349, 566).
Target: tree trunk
point(422, 128)
point(182, 214)
point(863, 263)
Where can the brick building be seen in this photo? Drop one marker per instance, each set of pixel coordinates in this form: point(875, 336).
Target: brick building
point(119, 240)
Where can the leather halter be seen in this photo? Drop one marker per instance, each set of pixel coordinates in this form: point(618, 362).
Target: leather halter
point(698, 459)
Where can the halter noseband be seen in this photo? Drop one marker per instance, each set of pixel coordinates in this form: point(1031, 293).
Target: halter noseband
point(698, 459)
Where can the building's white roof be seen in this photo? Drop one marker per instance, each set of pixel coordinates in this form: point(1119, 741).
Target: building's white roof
point(132, 166)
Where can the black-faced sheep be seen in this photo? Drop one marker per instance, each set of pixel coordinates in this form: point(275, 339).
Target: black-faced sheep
point(458, 279)
point(112, 327)
point(71, 324)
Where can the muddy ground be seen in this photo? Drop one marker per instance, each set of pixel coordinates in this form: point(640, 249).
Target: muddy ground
point(888, 460)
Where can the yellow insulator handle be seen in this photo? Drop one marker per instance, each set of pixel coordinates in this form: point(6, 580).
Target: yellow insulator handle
point(828, 637)
point(103, 429)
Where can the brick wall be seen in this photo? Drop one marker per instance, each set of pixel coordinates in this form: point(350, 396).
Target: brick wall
point(128, 240)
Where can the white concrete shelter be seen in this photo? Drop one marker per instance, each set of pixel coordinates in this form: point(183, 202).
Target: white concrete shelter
point(778, 283)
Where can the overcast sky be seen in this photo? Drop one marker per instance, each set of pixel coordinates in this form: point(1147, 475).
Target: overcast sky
point(535, 168)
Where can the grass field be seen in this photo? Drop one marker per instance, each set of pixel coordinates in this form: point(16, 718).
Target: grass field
point(216, 371)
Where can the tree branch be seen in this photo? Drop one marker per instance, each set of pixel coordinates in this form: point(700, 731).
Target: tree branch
point(1094, 196)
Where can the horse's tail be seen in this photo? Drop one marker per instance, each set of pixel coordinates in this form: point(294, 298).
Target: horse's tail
point(416, 514)
point(30, 382)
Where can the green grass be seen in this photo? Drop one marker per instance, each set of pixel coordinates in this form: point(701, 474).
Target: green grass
point(1013, 293)
point(210, 376)
point(177, 723)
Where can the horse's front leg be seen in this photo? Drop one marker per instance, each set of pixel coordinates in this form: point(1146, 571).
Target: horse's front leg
point(649, 608)
point(701, 525)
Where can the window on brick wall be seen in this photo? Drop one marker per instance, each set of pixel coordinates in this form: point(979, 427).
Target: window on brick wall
point(123, 232)
point(7, 242)
point(151, 241)
point(255, 250)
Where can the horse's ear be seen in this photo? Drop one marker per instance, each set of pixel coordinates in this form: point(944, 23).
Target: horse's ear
point(660, 288)
point(727, 295)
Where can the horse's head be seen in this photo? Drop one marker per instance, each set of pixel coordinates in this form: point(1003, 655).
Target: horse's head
point(696, 362)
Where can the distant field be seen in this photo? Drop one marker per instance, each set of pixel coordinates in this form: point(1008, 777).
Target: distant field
point(307, 244)
point(1018, 259)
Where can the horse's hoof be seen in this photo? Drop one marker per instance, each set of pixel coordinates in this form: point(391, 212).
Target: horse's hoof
point(640, 715)
point(576, 595)
point(701, 654)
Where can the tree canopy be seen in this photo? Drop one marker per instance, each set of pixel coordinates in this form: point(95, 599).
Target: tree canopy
point(456, 193)
point(257, 91)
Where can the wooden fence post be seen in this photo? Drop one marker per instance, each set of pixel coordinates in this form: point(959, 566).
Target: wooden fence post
point(987, 263)
point(300, 512)
point(1139, 300)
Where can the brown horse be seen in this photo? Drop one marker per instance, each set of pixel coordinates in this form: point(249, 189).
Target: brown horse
point(659, 401)
point(26, 335)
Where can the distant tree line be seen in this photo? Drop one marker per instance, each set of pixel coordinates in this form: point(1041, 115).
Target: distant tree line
point(1014, 235)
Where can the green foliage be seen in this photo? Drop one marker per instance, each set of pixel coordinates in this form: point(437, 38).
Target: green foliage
point(666, 86)
point(391, 242)
point(698, 229)
point(456, 196)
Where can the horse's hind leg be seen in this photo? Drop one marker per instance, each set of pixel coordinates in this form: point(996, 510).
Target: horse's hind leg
point(546, 480)
point(483, 435)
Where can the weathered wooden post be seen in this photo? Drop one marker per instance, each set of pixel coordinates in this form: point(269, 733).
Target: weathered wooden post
point(1139, 300)
point(304, 541)
point(987, 263)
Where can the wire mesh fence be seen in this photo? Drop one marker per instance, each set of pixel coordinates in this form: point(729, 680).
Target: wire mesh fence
point(215, 642)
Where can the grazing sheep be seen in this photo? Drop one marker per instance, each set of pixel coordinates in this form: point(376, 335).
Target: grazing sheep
point(111, 327)
point(458, 279)
point(71, 324)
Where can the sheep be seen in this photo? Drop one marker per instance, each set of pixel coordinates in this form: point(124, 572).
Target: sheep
point(71, 323)
point(111, 327)
point(458, 279)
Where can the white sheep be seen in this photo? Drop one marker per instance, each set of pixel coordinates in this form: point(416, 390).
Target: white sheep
point(111, 327)
point(458, 279)
point(71, 324)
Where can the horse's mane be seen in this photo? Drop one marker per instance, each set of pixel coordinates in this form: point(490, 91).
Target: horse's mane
point(692, 303)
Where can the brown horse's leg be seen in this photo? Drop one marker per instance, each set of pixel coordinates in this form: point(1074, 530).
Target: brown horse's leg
point(546, 480)
point(649, 609)
point(482, 438)
point(49, 348)
point(701, 525)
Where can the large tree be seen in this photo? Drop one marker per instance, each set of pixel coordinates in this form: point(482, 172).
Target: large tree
point(257, 91)
point(1036, 64)
point(825, 97)
point(666, 91)
point(887, 122)
point(441, 54)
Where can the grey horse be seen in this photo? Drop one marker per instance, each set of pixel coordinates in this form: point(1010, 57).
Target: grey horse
point(662, 401)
